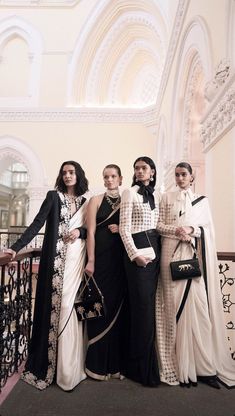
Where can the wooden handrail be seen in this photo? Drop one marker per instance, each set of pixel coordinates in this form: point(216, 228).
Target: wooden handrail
point(35, 252)
point(226, 255)
point(22, 254)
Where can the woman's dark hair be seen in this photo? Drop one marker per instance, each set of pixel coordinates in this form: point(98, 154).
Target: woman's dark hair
point(186, 166)
point(149, 162)
point(113, 166)
point(81, 185)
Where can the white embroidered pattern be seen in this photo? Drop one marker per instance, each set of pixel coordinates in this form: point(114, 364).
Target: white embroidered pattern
point(57, 286)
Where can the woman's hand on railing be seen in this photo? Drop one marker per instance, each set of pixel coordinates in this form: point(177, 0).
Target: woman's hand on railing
point(9, 252)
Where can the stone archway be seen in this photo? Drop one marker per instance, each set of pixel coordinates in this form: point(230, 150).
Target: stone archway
point(13, 150)
point(194, 68)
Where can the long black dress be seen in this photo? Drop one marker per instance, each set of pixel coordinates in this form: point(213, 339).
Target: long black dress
point(138, 220)
point(142, 365)
point(105, 336)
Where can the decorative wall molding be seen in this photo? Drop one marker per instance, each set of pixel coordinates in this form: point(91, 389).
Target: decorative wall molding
point(221, 77)
point(15, 26)
point(146, 81)
point(192, 88)
point(38, 3)
point(128, 23)
point(15, 149)
point(161, 150)
point(104, 53)
point(230, 42)
point(82, 115)
point(179, 19)
point(193, 64)
point(220, 117)
point(169, 170)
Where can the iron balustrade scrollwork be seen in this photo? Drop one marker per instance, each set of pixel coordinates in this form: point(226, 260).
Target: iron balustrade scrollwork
point(7, 238)
point(15, 310)
point(227, 286)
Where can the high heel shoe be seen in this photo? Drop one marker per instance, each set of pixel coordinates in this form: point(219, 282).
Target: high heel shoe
point(210, 381)
point(189, 384)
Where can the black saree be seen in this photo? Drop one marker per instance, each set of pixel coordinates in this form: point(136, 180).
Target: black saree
point(105, 336)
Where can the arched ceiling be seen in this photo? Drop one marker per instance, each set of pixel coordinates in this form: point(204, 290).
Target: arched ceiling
point(119, 56)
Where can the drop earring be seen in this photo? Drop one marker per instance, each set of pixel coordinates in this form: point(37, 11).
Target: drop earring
point(151, 179)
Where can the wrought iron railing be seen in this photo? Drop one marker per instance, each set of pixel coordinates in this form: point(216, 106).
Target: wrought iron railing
point(16, 295)
point(9, 238)
point(227, 285)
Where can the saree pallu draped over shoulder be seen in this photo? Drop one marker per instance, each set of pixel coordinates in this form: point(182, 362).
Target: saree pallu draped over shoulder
point(56, 346)
point(105, 336)
point(196, 344)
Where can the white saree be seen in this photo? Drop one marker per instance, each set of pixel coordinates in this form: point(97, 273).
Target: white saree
point(197, 344)
point(70, 358)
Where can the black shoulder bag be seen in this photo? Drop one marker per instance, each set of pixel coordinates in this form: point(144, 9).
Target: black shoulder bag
point(89, 302)
point(185, 269)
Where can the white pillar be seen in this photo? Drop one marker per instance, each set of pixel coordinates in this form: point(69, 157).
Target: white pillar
point(36, 197)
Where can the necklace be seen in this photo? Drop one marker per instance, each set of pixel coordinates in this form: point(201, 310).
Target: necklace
point(112, 193)
point(73, 199)
point(113, 204)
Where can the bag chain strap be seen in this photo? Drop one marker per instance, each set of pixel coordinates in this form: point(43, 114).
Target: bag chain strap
point(189, 242)
point(87, 283)
point(148, 238)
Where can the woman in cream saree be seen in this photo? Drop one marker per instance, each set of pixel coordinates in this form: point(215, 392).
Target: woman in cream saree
point(192, 344)
point(56, 345)
point(70, 359)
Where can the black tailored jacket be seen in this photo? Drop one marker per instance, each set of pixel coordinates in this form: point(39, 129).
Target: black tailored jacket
point(37, 362)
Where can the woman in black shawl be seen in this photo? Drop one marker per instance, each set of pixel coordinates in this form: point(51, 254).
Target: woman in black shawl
point(56, 346)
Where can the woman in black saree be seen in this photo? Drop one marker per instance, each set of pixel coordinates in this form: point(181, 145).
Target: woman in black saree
point(105, 262)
